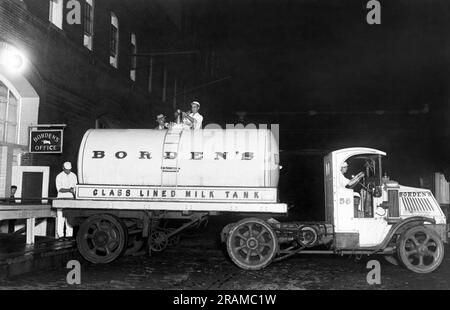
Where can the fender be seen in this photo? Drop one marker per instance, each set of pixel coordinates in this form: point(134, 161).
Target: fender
point(401, 225)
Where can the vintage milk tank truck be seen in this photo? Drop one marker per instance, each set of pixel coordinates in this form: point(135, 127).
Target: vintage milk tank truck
point(132, 180)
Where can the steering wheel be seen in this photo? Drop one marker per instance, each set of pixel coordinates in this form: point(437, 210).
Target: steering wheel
point(355, 180)
point(371, 186)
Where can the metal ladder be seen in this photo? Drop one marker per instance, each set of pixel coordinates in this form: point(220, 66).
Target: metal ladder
point(169, 166)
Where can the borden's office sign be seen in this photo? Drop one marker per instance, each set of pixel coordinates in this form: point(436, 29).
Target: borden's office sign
point(46, 141)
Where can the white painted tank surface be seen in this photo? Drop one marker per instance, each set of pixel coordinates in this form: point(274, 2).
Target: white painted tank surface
point(179, 157)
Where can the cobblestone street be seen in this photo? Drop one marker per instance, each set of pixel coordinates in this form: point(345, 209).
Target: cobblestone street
point(200, 263)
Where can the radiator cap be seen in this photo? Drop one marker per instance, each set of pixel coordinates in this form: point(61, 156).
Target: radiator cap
point(392, 184)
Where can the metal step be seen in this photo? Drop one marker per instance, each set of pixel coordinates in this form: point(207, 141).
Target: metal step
point(172, 140)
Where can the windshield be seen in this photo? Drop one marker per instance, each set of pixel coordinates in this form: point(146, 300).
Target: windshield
point(370, 165)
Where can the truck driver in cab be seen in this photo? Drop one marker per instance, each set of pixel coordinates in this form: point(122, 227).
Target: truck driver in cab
point(345, 183)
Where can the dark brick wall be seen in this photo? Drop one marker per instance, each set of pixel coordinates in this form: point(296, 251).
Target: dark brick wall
point(39, 8)
point(75, 31)
point(76, 86)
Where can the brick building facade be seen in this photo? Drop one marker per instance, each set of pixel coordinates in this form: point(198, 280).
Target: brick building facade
point(70, 80)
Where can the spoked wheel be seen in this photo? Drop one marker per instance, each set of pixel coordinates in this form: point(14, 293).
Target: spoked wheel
point(157, 241)
point(421, 249)
point(252, 244)
point(102, 238)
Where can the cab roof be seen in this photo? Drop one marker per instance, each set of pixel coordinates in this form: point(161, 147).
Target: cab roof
point(352, 151)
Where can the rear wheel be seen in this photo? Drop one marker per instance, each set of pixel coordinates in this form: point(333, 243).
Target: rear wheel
point(421, 249)
point(102, 238)
point(252, 244)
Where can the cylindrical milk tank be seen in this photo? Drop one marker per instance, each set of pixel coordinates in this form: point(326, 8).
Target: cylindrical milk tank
point(209, 157)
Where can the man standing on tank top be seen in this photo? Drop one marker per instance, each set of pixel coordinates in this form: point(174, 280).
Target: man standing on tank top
point(193, 119)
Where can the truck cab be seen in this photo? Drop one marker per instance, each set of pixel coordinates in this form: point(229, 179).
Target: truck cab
point(354, 210)
point(371, 209)
point(365, 222)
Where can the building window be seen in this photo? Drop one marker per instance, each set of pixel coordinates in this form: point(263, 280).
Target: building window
point(56, 13)
point(88, 24)
point(133, 58)
point(9, 107)
point(114, 41)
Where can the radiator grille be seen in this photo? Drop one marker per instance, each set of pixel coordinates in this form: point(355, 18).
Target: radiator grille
point(417, 204)
point(394, 210)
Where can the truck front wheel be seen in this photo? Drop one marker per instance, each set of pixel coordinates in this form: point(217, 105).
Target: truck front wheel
point(102, 238)
point(252, 244)
point(420, 249)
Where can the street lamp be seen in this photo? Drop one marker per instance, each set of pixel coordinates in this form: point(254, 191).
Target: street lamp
point(11, 58)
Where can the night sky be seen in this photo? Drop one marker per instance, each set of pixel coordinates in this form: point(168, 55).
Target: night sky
point(317, 67)
point(323, 55)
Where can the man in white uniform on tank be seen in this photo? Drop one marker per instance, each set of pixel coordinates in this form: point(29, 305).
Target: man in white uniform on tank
point(193, 119)
point(65, 185)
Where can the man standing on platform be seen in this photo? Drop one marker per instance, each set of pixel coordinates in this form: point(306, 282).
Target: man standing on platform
point(65, 185)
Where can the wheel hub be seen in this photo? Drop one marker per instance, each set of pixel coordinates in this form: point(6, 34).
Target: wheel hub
point(101, 238)
point(252, 243)
point(422, 249)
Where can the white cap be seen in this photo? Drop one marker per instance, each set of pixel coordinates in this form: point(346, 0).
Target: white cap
point(160, 116)
point(67, 165)
point(196, 102)
point(344, 164)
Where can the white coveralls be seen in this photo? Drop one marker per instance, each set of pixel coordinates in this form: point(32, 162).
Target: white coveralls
point(343, 182)
point(64, 180)
point(198, 121)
